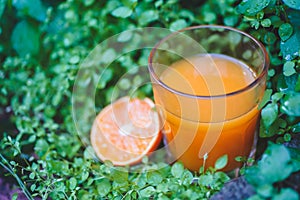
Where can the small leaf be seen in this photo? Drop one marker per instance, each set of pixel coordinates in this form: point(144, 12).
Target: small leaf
point(231, 20)
point(221, 176)
point(72, 183)
point(187, 178)
point(292, 4)
point(266, 98)
point(252, 7)
point(147, 192)
point(290, 47)
point(266, 22)
point(289, 68)
point(88, 2)
point(206, 180)
point(269, 38)
point(178, 24)
point(84, 175)
point(108, 55)
point(177, 170)
point(265, 190)
point(25, 38)
point(31, 175)
point(33, 8)
point(125, 36)
point(221, 162)
point(277, 96)
point(269, 114)
point(14, 196)
point(41, 147)
point(296, 128)
point(285, 31)
point(287, 137)
point(274, 166)
point(291, 104)
point(119, 174)
point(32, 187)
point(103, 187)
point(105, 77)
point(148, 16)
point(240, 159)
point(154, 177)
point(122, 12)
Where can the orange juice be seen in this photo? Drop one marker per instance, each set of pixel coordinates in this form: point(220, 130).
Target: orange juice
point(215, 122)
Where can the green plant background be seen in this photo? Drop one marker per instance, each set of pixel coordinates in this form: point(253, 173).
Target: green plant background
point(41, 46)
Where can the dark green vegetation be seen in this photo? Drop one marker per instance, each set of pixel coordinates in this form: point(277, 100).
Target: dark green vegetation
point(41, 46)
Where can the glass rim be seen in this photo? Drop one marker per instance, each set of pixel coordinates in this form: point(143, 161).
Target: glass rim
point(264, 71)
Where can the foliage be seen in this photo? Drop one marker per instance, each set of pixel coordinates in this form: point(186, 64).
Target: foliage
point(41, 46)
point(276, 165)
point(278, 27)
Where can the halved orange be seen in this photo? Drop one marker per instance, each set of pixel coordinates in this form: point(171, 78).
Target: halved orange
point(126, 130)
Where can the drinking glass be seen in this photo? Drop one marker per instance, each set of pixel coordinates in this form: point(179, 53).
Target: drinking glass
point(219, 116)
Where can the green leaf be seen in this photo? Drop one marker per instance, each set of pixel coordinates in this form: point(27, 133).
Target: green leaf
point(125, 36)
point(221, 162)
point(147, 192)
point(206, 179)
point(32, 175)
point(221, 176)
point(148, 16)
point(105, 77)
point(103, 187)
point(274, 166)
point(286, 193)
point(119, 174)
point(154, 177)
point(41, 147)
point(209, 17)
point(251, 7)
point(269, 114)
point(33, 8)
point(291, 104)
point(72, 183)
point(290, 47)
point(14, 196)
point(292, 4)
point(296, 128)
point(88, 2)
point(84, 175)
point(266, 98)
point(32, 187)
point(287, 137)
point(108, 55)
point(187, 178)
point(25, 39)
point(231, 20)
point(265, 190)
point(295, 154)
point(177, 169)
point(277, 96)
point(289, 68)
point(266, 22)
point(122, 12)
point(269, 38)
point(178, 24)
point(285, 31)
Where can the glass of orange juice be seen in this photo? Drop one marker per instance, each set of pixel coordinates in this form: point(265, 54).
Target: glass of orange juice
point(208, 81)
